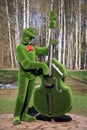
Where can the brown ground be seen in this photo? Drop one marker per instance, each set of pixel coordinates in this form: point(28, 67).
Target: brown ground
point(77, 123)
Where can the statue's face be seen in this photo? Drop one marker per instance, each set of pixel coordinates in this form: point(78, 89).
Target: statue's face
point(26, 39)
point(28, 35)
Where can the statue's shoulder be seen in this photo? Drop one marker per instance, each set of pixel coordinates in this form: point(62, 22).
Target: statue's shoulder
point(20, 46)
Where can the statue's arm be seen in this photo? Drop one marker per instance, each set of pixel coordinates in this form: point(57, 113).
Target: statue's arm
point(41, 51)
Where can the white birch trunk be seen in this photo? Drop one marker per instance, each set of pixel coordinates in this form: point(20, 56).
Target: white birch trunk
point(49, 37)
point(17, 35)
point(60, 32)
point(68, 54)
point(14, 54)
point(46, 28)
point(27, 13)
point(49, 31)
point(47, 34)
point(80, 40)
point(71, 43)
point(85, 59)
point(2, 58)
point(76, 63)
point(71, 51)
point(9, 34)
point(64, 44)
point(24, 14)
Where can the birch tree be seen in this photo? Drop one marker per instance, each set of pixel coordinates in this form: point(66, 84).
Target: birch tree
point(46, 28)
point(71, 49)
point(80, 40)
point(85, 59)
point(64, 44)
point(24, 14)
point(17, 36)
point(61, 5)
point(9, 35)
point(76, 63)
point(49, 31)
point(27, 13)
point(2, 58)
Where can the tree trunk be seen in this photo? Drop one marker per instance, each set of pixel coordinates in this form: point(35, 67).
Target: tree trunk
point(9, 34)
point(64, 44)
point(76, 63)
point(24, 14)
point(80, 40)
point(2, 58)
point(60, 30)
point(71, 40)
point(17, 36)
point(85, 58)
point(27, 13)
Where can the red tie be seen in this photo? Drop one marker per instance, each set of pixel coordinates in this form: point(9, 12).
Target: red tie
point(29, 48)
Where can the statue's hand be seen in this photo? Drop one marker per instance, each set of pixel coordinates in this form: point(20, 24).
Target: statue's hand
point(45, 69)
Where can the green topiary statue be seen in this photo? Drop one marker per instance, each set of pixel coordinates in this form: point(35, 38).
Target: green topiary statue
point(28, 66)
point(53, 98)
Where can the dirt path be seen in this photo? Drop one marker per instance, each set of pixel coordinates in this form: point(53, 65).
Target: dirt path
point(77, 123)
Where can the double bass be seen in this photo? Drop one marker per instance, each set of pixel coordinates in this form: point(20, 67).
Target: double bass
point(53, 97)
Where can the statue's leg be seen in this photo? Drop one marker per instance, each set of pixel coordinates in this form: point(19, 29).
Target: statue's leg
point(22, 90)
point(30, 89)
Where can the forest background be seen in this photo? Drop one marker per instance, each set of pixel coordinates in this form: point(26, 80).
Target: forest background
point(71, 30)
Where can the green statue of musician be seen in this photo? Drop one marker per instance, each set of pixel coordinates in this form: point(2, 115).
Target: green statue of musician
point(28, 70)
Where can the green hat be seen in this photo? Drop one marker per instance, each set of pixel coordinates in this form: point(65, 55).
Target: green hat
point(28, 34)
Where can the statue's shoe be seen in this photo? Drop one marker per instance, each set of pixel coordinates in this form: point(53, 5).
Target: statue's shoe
point(16, 120)
point(64, 118)
point(26, 117)
point(43, 118)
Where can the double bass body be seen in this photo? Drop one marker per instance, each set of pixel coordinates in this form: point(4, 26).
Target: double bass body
point(53, 97)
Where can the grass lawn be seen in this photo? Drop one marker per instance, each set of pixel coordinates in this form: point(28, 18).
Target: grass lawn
point(79, 103)
point(76, 80)
point(7, 100)
point(7, 106)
